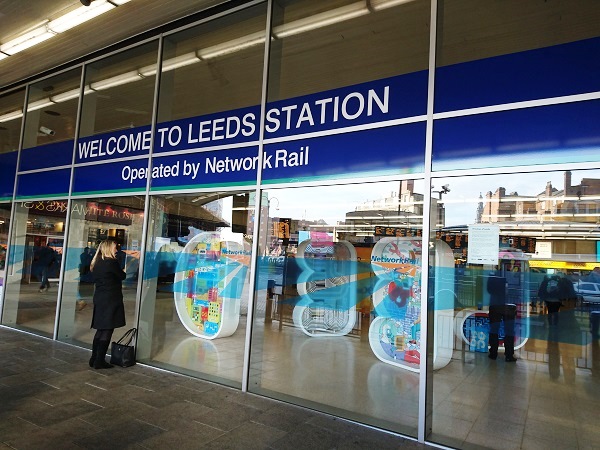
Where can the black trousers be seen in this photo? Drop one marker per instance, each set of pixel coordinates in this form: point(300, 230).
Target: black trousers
point(553, 308)
point(506, 313)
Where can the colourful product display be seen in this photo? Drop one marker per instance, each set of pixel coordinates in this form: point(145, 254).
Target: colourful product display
point(212, 273)
point(395, 333)
point(475, 331)
point(327, 306)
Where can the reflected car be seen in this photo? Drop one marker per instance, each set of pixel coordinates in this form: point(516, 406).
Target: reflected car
point(587, 292)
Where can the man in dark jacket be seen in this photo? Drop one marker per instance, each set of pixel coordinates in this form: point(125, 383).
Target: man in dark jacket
point(501, 311)
point(46, 257)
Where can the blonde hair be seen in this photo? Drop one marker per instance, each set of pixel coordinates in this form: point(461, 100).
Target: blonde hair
point(105, 250)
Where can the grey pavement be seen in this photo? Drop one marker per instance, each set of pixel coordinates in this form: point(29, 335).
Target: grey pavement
point(51, 399)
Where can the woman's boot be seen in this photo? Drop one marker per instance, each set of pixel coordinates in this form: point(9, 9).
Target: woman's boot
point(100, 362)
point(94, 351)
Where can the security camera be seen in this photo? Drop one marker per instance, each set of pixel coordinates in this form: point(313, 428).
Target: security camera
point(46, 131)
point(86, 2)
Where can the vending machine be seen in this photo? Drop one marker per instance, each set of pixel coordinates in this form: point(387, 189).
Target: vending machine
point(209, 279)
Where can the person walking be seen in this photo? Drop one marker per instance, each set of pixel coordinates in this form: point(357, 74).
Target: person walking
point(46, 258)
point(109, 310)
point(555, 290)
point(501, 311)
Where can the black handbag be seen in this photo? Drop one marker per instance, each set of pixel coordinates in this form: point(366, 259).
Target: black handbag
point(122, 353)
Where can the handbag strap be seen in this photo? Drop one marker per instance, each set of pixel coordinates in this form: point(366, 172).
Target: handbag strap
point(128, 337)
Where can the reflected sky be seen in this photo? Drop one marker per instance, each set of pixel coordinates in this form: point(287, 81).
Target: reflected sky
point(331, 203)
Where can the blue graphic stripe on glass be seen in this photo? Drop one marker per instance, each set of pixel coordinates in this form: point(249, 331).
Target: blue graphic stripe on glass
point(123, 175)
point(528, 75)
point(376, 101)
point(113, 145)
point(400, 148)
point(45, 156)
point(543, 135)
point(8, 166)
point(44, 184)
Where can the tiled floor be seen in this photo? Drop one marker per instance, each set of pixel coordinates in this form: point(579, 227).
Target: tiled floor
point(51, 399)
point(548, 399)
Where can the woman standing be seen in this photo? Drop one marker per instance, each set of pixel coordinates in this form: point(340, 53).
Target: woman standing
point(109, 311)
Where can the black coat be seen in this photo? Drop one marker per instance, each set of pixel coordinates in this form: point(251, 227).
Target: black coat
point(109, 311)
point(496, 287)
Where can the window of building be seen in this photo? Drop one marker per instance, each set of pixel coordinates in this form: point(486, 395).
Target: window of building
point(11, 114)
point(214, 67)
point(94, 220)
point(324, 45)
point(516, 285)
point(36, 249)
point(337, 307)
point(52, 111)
point(196, 284)
point(119, 91)
point(4, 227)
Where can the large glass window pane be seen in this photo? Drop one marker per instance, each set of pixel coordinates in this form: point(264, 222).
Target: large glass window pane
point(346, 65)
point(513, 238)
point(487, 53)
point(196, 280)
point(52, 110)
point(11, 114)
point(337, 318)
point(119, 91)
point(214, 67)
point(32, 276)
point(48, 137)
point(329, 44)
point(92, 221)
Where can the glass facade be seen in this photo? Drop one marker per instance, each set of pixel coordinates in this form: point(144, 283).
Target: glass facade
point(330, 320)
point(197, 284)
point(543, 227)
point(93, 220)
point(36, 249)
point(384, 210)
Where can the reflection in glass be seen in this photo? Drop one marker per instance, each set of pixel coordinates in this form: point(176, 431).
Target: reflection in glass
point(324, 45)
point(525, 252)
point(196, 280)
point(338, 298)
point(34, 266)
point(11, 113)
point(4, 227)
point(117, 96)
point(214, 67)
point(51, 115)
point(93, 221)
point(470, 32)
